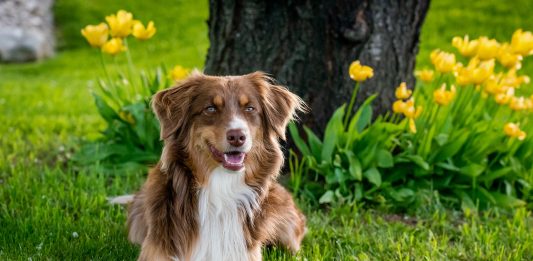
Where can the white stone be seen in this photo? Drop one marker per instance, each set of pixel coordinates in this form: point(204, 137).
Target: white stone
point(26, 30)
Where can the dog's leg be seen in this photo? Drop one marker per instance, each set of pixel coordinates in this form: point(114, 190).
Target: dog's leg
point(291, 230)
point(283, 223)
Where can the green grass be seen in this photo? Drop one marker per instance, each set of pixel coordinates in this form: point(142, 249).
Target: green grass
point(46, 109)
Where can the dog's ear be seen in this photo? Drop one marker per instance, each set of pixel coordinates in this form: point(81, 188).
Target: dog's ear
point(171, 105)
point(279, 104)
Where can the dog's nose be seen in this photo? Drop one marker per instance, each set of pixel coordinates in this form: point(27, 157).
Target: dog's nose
point(236, 137)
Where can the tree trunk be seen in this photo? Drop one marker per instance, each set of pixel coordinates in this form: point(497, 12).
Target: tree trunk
point(309, 45)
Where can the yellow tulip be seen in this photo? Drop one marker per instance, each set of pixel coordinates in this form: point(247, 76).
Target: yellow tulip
point(96, 35)
point(399, 106)
point(442, 96)
point(465, 46)
point(120, 24)
point(512, 80)
point(402, 92)
point(410, 111)
point(476, 72)
point(488, 48)
point(463, 76)
point(513, 130)
point(482, 72)
point(425, 75)
point(113, 46)
point(444, 62)
point(412, 125)
point(522, 42)
point(493, 86)
point(518, 103)
point(508, 58)
point(143, 33)
point(360, 72)
point(179, 73)
point(504, 98)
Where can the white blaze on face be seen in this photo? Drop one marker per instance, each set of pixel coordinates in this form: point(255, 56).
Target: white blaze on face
point(238, 123)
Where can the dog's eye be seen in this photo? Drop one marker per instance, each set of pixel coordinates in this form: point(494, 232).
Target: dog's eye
point(210, 109)
point(249, 108)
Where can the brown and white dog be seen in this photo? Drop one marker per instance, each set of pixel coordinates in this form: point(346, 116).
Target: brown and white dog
point(214, 195)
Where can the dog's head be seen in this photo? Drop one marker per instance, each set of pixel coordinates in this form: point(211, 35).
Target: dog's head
point(220, 121)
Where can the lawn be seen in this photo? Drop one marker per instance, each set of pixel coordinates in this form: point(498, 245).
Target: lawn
point(50, 209)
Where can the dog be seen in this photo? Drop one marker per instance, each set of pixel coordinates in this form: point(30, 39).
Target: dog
point(213, 195)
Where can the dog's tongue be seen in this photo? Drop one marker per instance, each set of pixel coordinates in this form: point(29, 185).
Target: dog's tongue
point(233, 160)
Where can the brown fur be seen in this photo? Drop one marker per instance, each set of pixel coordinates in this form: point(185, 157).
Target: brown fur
point(164, 215)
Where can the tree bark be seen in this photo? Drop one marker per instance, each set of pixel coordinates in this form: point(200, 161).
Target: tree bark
point(309, 45)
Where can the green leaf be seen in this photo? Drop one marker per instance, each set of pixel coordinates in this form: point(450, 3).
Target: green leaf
point(368, 155)
point(140, 112)
point(331, 177)
point(441, 139)
point(355, 166)
point(425, 148)
point(104, 109)
point(339, 175)
point(419, 172)
point(481, 145)
point(491, 176)
point(419, 161)
point(472, 170)
point(364, 120)
point(373, 176)
point(362, 117)
point(314, 143)
point(385, 159)
point(337, 161)
point(333, 132)
point(358, 191)
point(300, 143)
point(451, 148)
point(448, 166)
point(402, 194)
point(327, 197)
point(503, 200)
point(483, 195)
point(466, 201)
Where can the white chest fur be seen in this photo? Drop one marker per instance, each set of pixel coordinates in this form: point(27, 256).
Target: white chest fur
point(220, 205)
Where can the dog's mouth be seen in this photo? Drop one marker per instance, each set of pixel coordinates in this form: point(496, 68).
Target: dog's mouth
point(231, 160)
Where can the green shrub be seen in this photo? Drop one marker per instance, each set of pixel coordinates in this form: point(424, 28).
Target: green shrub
point(347, 163)
point(471, 145)
point(131, 138)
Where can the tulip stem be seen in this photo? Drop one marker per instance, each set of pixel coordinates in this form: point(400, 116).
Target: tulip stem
point(111, 93)
point(106, 72)
point(350, 106)
point(124, 98)
point(424, 134)
point(131, 68)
